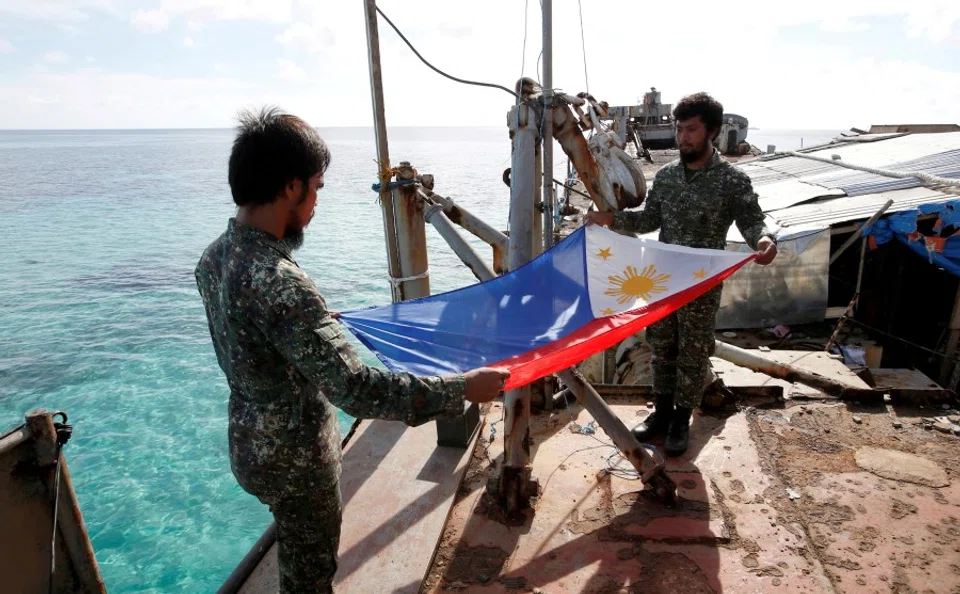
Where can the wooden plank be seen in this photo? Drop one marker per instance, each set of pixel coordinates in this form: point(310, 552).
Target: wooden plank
point(398, 488)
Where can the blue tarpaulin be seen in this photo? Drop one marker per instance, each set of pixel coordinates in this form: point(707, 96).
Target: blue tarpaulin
point(939, 251)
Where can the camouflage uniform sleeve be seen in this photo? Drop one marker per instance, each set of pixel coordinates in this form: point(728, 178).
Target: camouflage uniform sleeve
point(296, 321)
point(641, 221)
point(746, 210)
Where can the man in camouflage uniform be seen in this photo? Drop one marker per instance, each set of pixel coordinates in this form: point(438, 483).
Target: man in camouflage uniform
point(285, 357)
point(693, 201)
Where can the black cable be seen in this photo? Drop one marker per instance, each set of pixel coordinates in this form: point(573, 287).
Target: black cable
point(63, 432)
point(437, 70)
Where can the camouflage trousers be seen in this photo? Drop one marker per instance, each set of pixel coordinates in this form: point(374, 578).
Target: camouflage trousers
point(308, 517)
point(682, 344)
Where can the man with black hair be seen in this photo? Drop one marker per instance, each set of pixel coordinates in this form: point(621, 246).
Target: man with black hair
point(285, 357)
point(693, 201)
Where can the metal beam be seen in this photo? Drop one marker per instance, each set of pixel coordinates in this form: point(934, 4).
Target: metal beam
point(547, 133)
point(383, 151)
point(522, 120)
point(436, 217)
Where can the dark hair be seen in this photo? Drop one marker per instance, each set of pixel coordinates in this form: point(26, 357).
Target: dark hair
point(701, 104)
point(272, 149)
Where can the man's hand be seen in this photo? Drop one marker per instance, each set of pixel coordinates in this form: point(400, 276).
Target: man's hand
point(766, 251)
point(593, 217)
point(485, 384)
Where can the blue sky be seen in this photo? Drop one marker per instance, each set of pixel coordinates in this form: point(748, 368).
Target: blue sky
point(194, 63)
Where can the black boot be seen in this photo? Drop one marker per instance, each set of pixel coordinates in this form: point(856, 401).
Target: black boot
point(656, 424)
point(679, 433)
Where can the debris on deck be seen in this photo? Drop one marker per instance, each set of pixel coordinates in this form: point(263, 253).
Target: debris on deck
point(816, 496)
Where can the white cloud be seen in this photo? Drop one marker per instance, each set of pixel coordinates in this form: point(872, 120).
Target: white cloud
point(6, 47)
point(842, 26)
point(198, 12)
point(92, 98)
point(763, 78)
point(288, 70)
point(150, 21)
point(188, 42)
point(57, 10)
point(307, 38)
point(56, 57)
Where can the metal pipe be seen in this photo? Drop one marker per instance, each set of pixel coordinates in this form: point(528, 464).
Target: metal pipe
point(745, 358)
point(547, 132)
point(537, 213)
point(622, 437)
point(236, 580)
point(516, 403)
point(411, 237)
point(435, 216)
point(853, 238)
point(469, 221)
point(383, 151)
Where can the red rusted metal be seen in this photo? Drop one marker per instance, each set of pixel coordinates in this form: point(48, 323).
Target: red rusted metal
point(27, 483)
point(566, 131)
point(411, 236)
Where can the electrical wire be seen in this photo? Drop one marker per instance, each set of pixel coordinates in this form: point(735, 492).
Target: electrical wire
point(441, 72)
point(583, 47)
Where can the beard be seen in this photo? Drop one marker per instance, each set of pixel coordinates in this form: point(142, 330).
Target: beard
point(293, 237)
point(691, 155)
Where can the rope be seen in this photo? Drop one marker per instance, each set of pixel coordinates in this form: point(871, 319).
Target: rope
point(922, 176)
point(379, 187)
point(437, 70)
point(397, 281)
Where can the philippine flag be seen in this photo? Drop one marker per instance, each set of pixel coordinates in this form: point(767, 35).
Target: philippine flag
point(585, 294)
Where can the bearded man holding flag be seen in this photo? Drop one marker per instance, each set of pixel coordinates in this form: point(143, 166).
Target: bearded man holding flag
point(693, 202)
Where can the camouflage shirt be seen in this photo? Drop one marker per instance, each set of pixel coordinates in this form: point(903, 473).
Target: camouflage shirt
point(698, 212)
point(288, 364)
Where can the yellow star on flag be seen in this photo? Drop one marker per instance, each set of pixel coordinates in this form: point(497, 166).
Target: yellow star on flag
point(608, 312)
point(700, 273)
point(605, 253)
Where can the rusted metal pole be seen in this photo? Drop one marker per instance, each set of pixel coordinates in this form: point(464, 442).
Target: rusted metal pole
point(522, 120)
point(435, 216)
point(547, 132)
point(745, 358)
point(383, 151)
point(411, 237)
point(611, 424)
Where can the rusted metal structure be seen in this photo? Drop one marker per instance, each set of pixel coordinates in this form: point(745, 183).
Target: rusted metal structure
point(44, 545)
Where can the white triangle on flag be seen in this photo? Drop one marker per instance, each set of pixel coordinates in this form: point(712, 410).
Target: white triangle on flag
point(625, 273)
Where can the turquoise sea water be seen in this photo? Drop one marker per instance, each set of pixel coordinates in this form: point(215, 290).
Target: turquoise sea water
point(100, 317)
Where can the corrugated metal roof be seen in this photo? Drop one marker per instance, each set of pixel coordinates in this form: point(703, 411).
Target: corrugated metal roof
point(788, 185)
point(855, 208)
point(857, 183)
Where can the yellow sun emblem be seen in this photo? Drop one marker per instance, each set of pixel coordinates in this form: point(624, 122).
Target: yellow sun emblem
point(605, 253)
point(632, 285)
